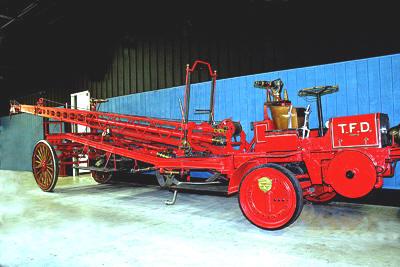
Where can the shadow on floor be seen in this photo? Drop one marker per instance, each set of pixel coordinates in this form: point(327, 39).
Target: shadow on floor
point(383, 197)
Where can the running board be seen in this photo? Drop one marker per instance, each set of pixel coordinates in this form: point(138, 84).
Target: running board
point(201, 187)
point(97, 169)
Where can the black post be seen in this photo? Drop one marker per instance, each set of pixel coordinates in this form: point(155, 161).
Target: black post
point(212, 96)
point(187, 101)
point(320, 118)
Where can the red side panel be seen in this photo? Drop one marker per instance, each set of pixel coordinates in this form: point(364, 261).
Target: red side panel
point(259, 131)
point(277, 142)
point(355, 131)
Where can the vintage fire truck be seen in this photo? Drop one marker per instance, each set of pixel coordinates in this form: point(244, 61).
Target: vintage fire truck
point(283, 165)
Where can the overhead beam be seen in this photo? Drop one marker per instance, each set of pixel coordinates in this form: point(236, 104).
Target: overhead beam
point(20, 15)
point(5, 17)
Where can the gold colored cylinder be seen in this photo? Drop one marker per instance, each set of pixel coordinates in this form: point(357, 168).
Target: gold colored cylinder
point(280, 117)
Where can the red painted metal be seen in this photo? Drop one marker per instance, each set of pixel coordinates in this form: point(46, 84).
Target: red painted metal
point(351, 174)
point(321, 194)
point(350, 158)
point(272, 204)
point(360, 131)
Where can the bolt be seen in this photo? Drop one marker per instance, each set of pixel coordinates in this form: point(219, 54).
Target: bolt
point(350, 174)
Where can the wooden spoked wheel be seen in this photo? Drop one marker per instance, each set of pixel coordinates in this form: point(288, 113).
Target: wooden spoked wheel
point(45, 166)
point(270, 197)
point(102, 177)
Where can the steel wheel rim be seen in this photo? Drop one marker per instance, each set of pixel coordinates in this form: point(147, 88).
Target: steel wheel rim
point(272, 209)
point(44, 166)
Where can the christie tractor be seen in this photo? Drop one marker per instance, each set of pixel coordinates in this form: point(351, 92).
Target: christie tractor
point(284, 164)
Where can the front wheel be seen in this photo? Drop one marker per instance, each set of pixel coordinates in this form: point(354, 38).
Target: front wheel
point(270, 196)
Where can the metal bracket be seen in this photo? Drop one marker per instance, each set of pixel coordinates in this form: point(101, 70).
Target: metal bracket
point(289, 126)
point(173, 200)
point(305, 129)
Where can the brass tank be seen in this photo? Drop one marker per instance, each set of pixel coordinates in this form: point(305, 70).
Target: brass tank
point(280, 116)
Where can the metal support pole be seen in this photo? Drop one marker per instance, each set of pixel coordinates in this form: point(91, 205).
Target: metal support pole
point(187, 102)
point(320, 118)
point(212, 98)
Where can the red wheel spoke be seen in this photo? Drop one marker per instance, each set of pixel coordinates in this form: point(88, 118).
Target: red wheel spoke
point(49, 172)
point(40, 151)
point(40, 174)
point(48, 154)
point(38, 156)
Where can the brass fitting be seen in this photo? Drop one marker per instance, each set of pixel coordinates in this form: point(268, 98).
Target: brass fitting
point(164, 155)
point(219, 140)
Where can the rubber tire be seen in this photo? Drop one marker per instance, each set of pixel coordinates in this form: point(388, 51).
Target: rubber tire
point(55, 165)
point(294, 168)
point(296, 186)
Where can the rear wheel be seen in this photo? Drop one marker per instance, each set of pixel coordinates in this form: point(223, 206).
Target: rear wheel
point(270, 196)
point(102, 177)
point(45, 166)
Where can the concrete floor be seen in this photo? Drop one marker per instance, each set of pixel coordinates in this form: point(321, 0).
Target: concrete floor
point(85, 224)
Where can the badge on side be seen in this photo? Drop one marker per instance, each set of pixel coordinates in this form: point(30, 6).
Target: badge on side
point(265, 184)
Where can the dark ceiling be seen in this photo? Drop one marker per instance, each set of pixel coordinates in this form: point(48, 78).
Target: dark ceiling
point(41, 40)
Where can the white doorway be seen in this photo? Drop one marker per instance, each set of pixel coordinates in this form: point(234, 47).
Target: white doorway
point(80, 100)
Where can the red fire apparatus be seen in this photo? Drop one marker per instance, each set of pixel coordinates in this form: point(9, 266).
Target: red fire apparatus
point(285, 162)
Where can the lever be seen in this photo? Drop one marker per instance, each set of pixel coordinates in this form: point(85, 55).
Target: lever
point(173, 200)
point(306, 131)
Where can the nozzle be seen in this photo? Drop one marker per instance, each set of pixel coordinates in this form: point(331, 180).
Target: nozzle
point(285, 95)
point(275, 84)
point(262, 84)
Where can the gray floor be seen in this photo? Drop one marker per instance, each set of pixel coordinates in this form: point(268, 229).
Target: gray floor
point(85, 224)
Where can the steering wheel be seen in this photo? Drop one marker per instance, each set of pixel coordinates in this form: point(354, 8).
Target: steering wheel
point(318, 90)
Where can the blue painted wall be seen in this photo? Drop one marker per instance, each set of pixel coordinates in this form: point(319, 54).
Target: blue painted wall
point(366, 86)
point(18, 136)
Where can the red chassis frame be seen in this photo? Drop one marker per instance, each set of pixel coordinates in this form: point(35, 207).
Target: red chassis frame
point(273, 173)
